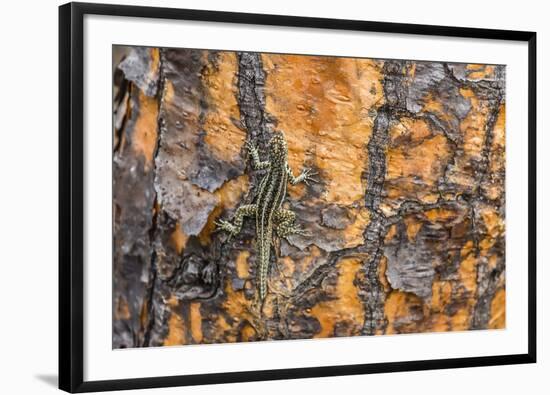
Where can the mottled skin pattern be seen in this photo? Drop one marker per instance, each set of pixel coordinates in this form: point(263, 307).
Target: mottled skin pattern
point(267, 207)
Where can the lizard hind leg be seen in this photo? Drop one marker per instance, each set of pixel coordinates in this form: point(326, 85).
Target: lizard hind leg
point(286, 225)
point(247, 210)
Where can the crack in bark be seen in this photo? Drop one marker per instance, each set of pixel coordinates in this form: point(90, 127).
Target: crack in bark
point(372, 290)
point(150, 323)
point(251, 97)
point(488, 280)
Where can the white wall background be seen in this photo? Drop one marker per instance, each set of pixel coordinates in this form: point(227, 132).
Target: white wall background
point(28, 195)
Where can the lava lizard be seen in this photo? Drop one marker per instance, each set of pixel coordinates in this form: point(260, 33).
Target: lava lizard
point(267, 205)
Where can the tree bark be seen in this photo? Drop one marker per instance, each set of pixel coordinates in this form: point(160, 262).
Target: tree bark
point(406, 224)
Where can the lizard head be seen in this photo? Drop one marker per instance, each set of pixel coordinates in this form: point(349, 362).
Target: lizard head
point(277, 146)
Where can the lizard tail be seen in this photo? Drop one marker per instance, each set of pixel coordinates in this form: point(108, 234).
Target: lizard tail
point(264, 265)
point(263, 281)
point(263, 290)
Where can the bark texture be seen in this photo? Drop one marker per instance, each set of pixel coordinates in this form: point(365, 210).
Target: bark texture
point(406, 221)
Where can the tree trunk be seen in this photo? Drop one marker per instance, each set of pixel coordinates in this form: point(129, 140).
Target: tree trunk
point(405, 226)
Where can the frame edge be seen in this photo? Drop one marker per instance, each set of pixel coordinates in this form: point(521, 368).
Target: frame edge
point(70, 299)
point(532, 197)
point(64, 297)
point(70, 302)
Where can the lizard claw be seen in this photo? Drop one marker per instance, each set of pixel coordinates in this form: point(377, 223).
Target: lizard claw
point(298, 230)
point(307, 176)
point(304, 233)
point(310, 179)
point(226, 226)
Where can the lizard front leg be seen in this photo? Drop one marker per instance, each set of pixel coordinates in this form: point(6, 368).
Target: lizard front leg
point(247, 210)
point(306, 176)
point(257, 164)
point(285, 220)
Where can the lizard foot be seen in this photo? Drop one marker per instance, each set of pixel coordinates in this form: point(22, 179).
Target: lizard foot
point(297, 230)
point(307, 176)
point(228, 227)
point(284, 230)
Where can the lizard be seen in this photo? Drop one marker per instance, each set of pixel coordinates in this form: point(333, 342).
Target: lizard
point(267, 204)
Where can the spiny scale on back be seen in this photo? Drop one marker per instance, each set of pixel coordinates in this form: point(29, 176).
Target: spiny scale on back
point(267, 206)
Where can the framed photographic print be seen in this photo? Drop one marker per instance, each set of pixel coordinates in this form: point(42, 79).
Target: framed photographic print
point(237, 188)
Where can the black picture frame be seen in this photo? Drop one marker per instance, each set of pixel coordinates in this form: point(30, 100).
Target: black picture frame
point(71, 198)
